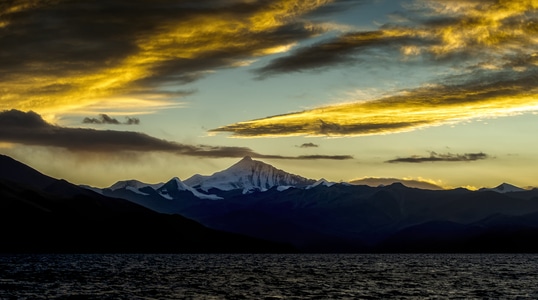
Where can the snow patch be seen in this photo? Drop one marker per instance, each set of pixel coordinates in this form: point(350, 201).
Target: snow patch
point(164, 194)
point(176, 183)
point(282, 188)
point(133, 183)
point(135, 190)
point(322, 182)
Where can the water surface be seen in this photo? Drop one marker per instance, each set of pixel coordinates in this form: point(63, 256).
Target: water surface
point(269, 276)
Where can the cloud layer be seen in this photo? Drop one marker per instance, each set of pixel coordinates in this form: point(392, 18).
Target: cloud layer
point(60, 55)
point(308, 145)
point(496, 31)
point(374, 181)
point(490, 46)
point(439, 157)
point(106, 119)
point(28, 128)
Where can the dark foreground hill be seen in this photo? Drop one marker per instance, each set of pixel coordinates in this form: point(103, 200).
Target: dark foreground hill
point(56, 216)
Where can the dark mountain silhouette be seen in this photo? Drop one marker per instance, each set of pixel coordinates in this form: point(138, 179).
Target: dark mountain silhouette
point(344, 218)
point(41, 214)
point(340, 217)
point(336, 217)
point(15, 171)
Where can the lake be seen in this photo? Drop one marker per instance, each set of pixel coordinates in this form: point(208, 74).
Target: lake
point(269, 276)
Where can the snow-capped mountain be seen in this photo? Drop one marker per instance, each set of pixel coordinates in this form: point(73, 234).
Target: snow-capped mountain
point(169, 189)
point(321, 182)
point(248, 175)
point(133, 185)
point(504, 188)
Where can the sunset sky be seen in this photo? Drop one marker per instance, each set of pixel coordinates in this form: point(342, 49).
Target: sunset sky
point(439, 91)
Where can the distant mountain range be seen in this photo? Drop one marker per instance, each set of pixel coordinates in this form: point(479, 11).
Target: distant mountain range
point(254, 199)
point(504, 188)
point(40, 214)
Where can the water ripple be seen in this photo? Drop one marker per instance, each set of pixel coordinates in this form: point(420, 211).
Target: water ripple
point(259, 276)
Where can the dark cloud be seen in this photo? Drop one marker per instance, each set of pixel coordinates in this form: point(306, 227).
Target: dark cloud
point(375, 182)
point(132, 121)
point(334, 157)
point(341, 50)
point(225, 57)
point(28, 128)
point(309, 145)
point(437, 31)
point(336, 7)
point(105, 119)
point(436, 157)
point(74, 47)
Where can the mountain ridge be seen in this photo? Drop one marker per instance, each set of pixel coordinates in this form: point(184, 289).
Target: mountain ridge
point(65, 218)
point(249, 175)
point(318, 217)
point(504, 188)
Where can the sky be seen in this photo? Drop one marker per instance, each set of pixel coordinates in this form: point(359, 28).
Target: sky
point(432, 91)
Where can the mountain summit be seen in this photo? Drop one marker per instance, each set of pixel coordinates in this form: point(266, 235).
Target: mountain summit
point(133, 184)
point(504, 188)
point(175, 185)
point(249, 175)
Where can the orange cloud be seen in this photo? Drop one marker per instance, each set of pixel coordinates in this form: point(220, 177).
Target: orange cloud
point(492, 45)
point(29, 128)
point(418, 108)
point(64, 56)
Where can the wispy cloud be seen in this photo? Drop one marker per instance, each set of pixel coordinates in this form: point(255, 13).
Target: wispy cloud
point(438, 157)
point(342, 50)
point(106, 119)
point(28, 128)
point(309, 145)
point(500, 95)
point(416, 183)
point(333, 157)
point(487, 31)
point(491, 46)
point(63, 55)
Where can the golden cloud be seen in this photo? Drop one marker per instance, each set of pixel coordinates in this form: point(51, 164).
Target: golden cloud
point(428, 106)
point(490, 32)
point(58, 56)
point(30, 129)
point(491, 43)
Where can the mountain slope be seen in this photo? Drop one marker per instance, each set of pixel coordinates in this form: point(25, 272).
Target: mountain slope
point(347, 218)
point(321, 216)
point(16, 171)
point(63, 217)
point(170, 190)
point(504, 188)
point(133, 184)
point(248, 175)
